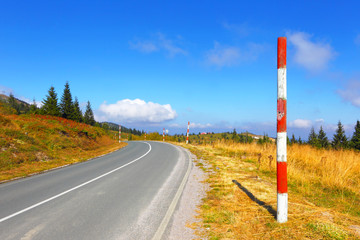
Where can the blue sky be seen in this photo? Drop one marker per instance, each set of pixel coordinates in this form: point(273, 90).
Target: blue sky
point(155, 64)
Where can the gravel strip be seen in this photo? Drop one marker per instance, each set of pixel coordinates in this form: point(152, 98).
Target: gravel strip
point(190, 201)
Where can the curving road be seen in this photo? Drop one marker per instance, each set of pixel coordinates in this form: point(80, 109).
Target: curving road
point(123, 195)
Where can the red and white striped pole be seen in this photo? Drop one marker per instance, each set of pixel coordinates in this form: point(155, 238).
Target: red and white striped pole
point(187, 134)
point(282, 195)
point(163, 134)
point(119, 133)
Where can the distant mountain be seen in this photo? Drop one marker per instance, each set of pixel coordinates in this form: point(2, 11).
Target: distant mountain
point(5, 98)
point(115, 127)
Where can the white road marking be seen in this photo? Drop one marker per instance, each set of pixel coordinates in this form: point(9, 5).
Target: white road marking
point(74, 188)
point(160, 231)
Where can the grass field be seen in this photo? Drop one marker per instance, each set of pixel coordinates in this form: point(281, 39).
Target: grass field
point(33, 143)
point(324, 192)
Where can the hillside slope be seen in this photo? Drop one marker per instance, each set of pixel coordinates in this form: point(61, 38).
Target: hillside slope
point(32, 143)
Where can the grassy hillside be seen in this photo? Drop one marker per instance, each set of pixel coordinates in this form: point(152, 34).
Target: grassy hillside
point(32, 143)
point(324, 192)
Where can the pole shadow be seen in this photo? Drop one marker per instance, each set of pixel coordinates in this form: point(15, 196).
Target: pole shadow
point(267, 207)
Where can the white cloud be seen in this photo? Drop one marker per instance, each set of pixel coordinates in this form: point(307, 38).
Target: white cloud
point(313, 56)
point(137, 110)
point(300, 123)
point(357, 40)
point(159, 43)
point(223, 56)
point(5, 90)
point(169, 46)
point(228, 56)
point(240, 29)
point(320, 121)
point(351, 92)
point(143, 46)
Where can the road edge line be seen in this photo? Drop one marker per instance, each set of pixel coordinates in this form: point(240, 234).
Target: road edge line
point(164, 223)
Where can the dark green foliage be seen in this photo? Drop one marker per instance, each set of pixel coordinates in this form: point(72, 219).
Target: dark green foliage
point(77, 114)
point(66, 104)
point(50, 104)
point(245, 138)
point(235, 136)
point(264, 139)
point(293, 140)
point(322, 139)
point(33, 108)
point(288, 140)
point(12, 102)
point(19, 106)
point(355, 140)
point(339, 140)
point(89, 115)
point(313, 138)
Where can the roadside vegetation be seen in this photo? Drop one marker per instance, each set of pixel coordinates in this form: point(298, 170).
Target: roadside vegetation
point(32, 143)
point(323, 181)
point(35, 139)
point(324, 201)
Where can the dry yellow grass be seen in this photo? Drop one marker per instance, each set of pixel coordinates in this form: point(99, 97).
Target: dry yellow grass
point(241, 203)
point(330, 168)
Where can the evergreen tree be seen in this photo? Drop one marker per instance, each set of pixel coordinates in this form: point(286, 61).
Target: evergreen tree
point(293, 140)
point(13, 103)
point(235, 136)
point(300, 141)
point(313, 138)
point(89, 115)
point(323, 140)
point(33, 108)
point(339, 139)
point(355, 140)
point(50, 104)
point(77, 114)
point(66, 104)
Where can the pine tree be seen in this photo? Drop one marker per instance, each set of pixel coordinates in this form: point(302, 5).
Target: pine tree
point(235, 136)
point(50, 104)
point(355, 140)
point(77, 114)
point(33, 108)
point(313, 138)
point(339, 139)
point(13, 103)
point(293, 140)
point(299, 140)
point(66, 104)
point(89, 115)
point(323, 140)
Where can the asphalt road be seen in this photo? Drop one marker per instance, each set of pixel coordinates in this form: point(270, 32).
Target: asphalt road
point(123, 195)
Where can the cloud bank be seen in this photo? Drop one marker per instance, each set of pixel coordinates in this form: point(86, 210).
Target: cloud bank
point(159, 43)
point(357, 40)
point(313, 56)
point(228, 56)
point(223, 56)
point(135, 111)
point(351, 92)
point(300, 123)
